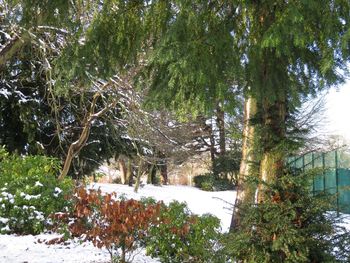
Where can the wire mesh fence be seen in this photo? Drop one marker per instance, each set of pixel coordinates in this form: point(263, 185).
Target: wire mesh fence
point(334, 175)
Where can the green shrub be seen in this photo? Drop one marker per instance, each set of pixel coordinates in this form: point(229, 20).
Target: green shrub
point(204, 181)
point(208, 182)
point(29, 192)
point(183, 237)
point(227, 165)
point(290, 225)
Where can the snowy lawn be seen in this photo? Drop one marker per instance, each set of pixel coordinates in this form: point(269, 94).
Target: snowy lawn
point(20, 249)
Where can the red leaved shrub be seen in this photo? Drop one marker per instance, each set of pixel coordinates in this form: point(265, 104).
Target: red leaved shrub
point(110, 223)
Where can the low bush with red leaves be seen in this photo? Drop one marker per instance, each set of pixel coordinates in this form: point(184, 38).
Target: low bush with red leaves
point(117, 225)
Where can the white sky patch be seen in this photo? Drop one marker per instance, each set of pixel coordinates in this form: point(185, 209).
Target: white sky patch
point(338, 111)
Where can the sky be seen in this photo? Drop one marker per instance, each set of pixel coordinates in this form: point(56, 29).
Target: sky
point(337, 113)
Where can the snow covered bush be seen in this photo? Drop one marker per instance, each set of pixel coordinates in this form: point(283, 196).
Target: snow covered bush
point(29, 192)
point(116, 225)
point(184, 237)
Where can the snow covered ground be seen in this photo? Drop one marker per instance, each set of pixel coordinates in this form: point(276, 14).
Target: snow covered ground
point(21, 249)
point(29, 249)
point(198, 201)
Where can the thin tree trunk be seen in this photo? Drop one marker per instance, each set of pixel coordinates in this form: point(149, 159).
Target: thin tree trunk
point(154, 180)
point(151, 173)
point(212, 149)
point(76, 146)
point(138, 177)
point(163, 168)
point(122, 169)
point(129, 172)
point(245, 191)
point(220, 121)
point(164, 172)
point(123, 255)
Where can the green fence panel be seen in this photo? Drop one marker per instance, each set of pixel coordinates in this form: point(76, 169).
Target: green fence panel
point(344, 190)
point(335, 178)
point(318, 160)
point(343, 158)
point(308, 163)
point(331, 185)
point(330, 181)
point(318, 184)
point(329, 158)
point(299, 163)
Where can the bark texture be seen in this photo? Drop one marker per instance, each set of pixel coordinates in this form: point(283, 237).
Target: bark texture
point(272, 162)
point(245, 192)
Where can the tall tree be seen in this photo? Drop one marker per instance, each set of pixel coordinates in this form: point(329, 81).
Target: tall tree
point(285, 49)
point(292, 49)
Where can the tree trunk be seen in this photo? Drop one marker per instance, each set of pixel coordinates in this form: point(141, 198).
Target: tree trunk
point(245, 191)
point(163, 167)
point(123, 255)
point(272, 162)
point(154, 180)
point(76, 146)
point(220, 121)
point(139, 174)
point(122, 169)
point(129, 174)
point(212, 149)
point(164, 171)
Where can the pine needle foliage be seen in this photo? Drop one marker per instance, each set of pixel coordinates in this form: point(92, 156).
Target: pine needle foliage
point(290, 225)
point(192, 65)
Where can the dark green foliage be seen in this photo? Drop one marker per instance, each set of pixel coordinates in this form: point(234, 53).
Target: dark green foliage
point(108, 44)
point(227, 165)
point(34, 120)
point(30, 13)
point(184, 237)
point(30, 192)
point(36, 116)
point(290, 225)
point(192, 64)
point(208, 182)
point(29, 125)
